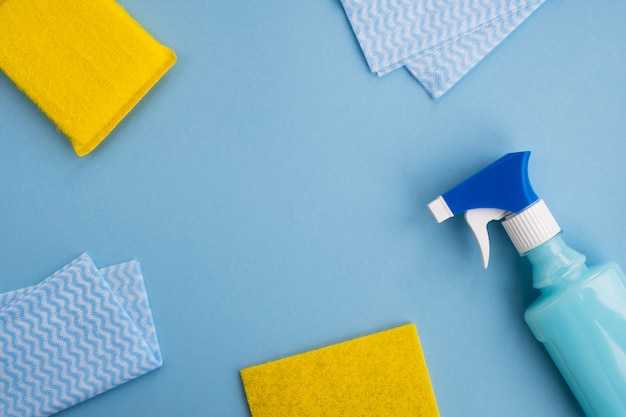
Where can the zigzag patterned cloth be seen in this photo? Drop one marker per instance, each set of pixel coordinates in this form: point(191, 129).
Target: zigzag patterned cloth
point(77, 334)
point(438, 41)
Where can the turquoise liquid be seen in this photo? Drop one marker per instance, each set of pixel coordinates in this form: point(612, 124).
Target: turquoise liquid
point(580, 318)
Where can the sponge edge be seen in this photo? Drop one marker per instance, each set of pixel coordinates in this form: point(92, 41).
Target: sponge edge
point(382, 374)
point(86, 64)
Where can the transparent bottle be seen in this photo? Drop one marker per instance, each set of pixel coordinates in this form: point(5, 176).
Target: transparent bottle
point(580, 318)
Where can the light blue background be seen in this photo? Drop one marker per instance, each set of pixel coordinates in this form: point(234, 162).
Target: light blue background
point(274, 191)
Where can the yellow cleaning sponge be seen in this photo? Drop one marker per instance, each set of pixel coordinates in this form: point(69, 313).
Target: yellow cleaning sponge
point(85, 63)
point(383, 374)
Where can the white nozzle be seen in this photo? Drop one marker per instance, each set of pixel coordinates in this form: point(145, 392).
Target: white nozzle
point(440, 210)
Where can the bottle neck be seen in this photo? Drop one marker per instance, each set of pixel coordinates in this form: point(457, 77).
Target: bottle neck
point(555, 264)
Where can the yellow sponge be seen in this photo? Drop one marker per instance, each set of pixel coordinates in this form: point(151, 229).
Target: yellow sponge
point(85, 63)
point(383, 374)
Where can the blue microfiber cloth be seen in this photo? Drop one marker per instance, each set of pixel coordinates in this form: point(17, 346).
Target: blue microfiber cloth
point(77, 334)
point(438, 41)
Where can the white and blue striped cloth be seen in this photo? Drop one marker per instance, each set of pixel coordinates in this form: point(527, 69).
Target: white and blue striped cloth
point(78, 333)
point(438, 41)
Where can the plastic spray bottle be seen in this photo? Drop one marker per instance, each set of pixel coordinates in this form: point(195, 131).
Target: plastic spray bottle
point(580, 316)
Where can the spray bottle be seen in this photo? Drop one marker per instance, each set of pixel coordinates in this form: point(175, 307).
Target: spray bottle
point(580, 316)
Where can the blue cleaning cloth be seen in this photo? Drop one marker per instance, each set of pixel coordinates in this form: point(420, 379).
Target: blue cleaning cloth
point(77, 334)
point(438, 41)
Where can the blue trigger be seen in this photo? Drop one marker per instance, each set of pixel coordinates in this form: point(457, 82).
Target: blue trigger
point(502, 185)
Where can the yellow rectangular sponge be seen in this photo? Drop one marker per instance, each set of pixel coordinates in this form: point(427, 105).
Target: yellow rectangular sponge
point(85, 63)
point(382, 374)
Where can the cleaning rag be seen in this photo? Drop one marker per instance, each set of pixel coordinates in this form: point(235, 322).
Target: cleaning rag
point(84, 63)
point(380, 375)
point(438, 41)
point(76, 334)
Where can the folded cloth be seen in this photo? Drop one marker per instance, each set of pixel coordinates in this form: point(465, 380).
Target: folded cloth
point(77, 334)
point(382, 374)
point(84, 63)
point(438, 41)
point(439, 69)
